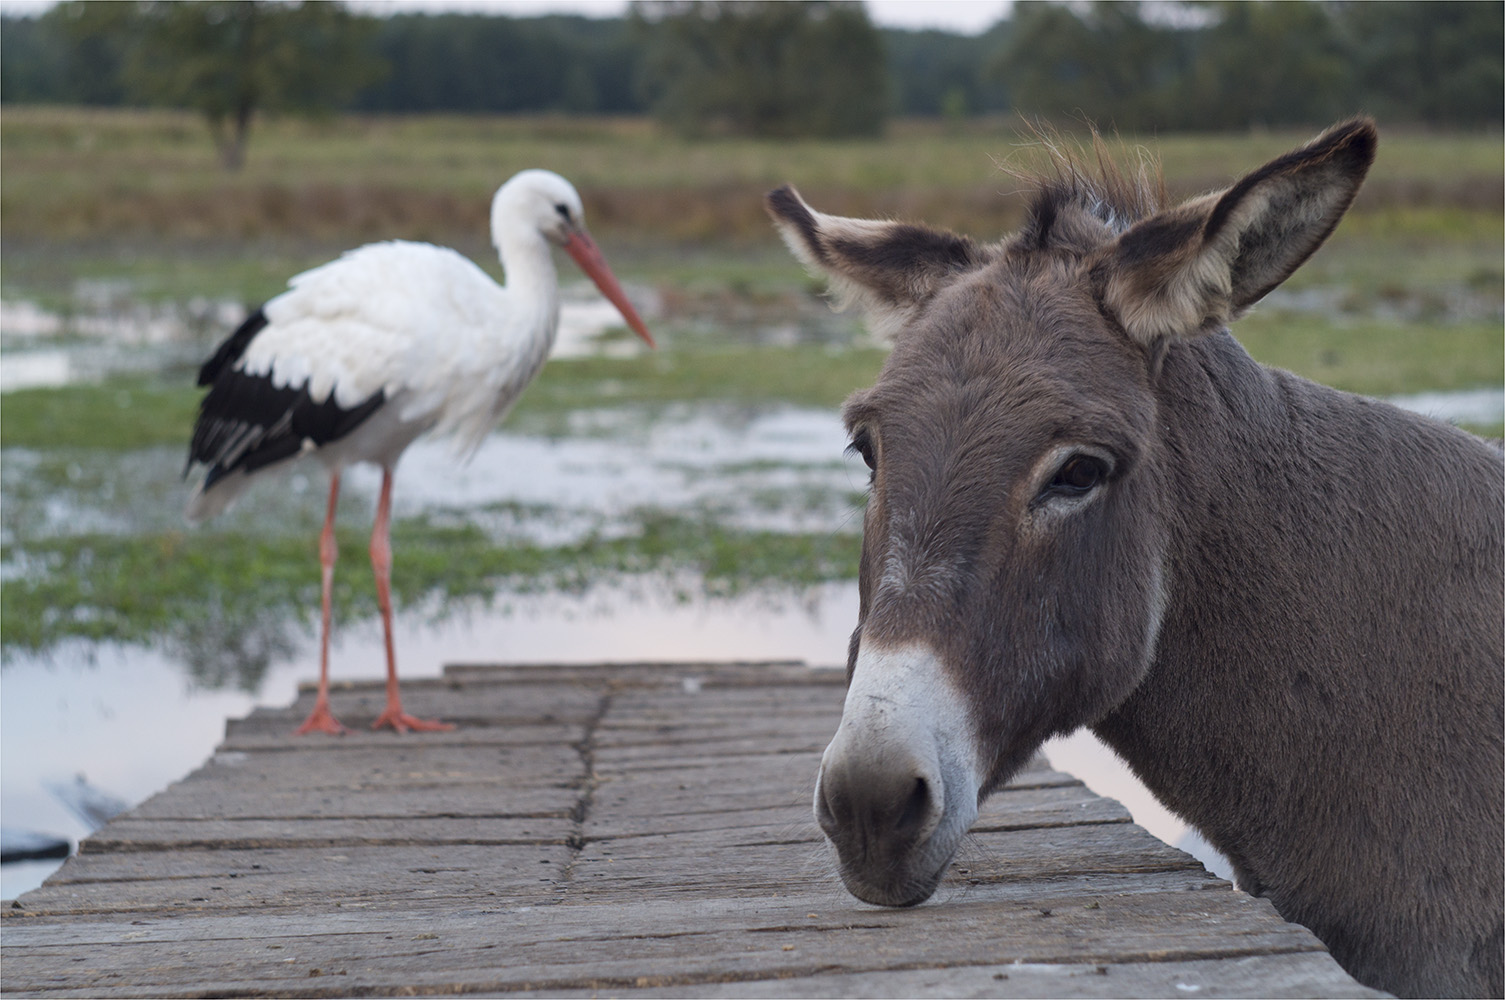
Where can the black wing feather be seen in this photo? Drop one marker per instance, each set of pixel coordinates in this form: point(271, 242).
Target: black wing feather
point(234, 346)
point(246, 422)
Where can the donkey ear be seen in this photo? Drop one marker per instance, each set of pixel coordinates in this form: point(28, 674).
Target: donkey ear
point(1196, 267)
point(886, 268)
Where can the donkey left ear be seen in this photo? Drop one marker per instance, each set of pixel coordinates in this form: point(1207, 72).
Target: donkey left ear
point(1194, 268)
point(887, 268)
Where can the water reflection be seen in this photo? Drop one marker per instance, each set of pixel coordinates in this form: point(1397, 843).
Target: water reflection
point(232, 647)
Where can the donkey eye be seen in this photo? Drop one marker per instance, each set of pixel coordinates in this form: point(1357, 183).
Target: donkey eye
point(863, 445)
point(1080, 474)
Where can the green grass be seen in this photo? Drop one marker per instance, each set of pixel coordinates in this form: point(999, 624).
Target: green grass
point(141, 588)
point(139, 412)
point(77, 174)
point(1371, 357)
point(124, 413)
point(1376, 358)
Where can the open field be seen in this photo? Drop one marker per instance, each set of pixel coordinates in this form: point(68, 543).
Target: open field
point(94, 196)
point(90, 174)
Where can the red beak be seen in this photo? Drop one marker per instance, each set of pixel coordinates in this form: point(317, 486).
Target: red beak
point(588, 256)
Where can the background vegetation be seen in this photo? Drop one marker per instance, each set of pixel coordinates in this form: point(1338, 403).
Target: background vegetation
point(111, 192)
point(811, 68)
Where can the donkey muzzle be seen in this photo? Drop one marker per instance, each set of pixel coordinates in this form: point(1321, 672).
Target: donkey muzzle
point(898, 784)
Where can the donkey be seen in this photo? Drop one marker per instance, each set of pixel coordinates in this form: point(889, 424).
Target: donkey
point(1281, 604)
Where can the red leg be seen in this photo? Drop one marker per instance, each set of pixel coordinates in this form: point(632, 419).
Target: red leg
point(321, 718)
point(381, 565)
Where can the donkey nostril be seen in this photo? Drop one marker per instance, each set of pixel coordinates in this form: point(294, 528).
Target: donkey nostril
point(916, 810)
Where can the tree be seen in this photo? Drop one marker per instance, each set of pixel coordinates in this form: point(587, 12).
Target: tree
point(230, 59)
point(1104, 62)
point(1439, 63)
point(936, 72)
point(1268, 64)
point(469, 62)
point(80, 49)
point(801, 68)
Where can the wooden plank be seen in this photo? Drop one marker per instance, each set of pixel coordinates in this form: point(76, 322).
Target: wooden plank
point(1031, 806)
point(128, 834)
point(277, 737)
point(655, 673)
point(415, 781)
point(652, 942)
point(273, 732)
point(632, 829)
point(798, 729)
point(1310, 974)
point(648, 754)
point(759, 858)
point(673, 704)
point(358, 704)
point(623, 808)
point(306, 766)
point(287, 880)
point(496, 800)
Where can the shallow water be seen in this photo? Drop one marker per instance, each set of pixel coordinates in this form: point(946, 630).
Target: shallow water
point(770, 467)
point(1465, 406)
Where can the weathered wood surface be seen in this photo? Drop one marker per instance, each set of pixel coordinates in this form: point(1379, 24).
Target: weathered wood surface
point(632, 830)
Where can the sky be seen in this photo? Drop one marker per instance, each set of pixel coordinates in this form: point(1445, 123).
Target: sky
point(969, 17)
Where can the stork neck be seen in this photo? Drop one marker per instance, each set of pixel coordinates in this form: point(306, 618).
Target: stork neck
point(531, 281)
point(528, 263)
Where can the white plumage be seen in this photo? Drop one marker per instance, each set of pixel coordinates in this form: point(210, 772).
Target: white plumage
point(361, 356)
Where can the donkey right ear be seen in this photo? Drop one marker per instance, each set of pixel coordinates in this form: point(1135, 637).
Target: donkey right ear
point(887, 268)
point(1190, 270)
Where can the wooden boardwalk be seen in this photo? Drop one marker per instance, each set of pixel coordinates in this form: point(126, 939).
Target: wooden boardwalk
point(625, 830)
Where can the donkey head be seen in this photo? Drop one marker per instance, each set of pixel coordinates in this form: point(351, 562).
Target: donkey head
point(1014, 564)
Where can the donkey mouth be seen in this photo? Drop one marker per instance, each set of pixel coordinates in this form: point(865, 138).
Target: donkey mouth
point(892, 854)
point(909, 891)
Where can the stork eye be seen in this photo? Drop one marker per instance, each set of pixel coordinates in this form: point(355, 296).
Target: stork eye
point(862, 444)
point(564, 211)
point(1077, 476)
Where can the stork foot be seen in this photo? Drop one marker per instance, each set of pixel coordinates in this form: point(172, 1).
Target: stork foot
point(322, 720)
point(401, 721)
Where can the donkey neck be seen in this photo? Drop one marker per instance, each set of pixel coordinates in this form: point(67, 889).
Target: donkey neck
point(1312, 560)
point(1302, 709)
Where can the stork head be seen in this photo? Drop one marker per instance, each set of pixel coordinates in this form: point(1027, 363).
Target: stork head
point(539, 201)
point(542, 202)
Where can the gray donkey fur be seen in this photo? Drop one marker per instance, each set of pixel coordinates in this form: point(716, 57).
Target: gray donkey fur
point(1281, 604)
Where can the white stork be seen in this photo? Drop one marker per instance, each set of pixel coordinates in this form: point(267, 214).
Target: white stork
point(366, 353)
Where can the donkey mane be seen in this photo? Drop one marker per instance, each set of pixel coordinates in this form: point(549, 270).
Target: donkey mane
point(1085, 182)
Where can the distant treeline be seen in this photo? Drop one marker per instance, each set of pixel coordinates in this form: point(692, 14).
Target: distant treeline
point(1204, 65)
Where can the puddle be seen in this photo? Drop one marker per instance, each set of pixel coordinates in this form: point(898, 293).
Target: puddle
point(1464, 302)
point(109, 333)
point(773, 467)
